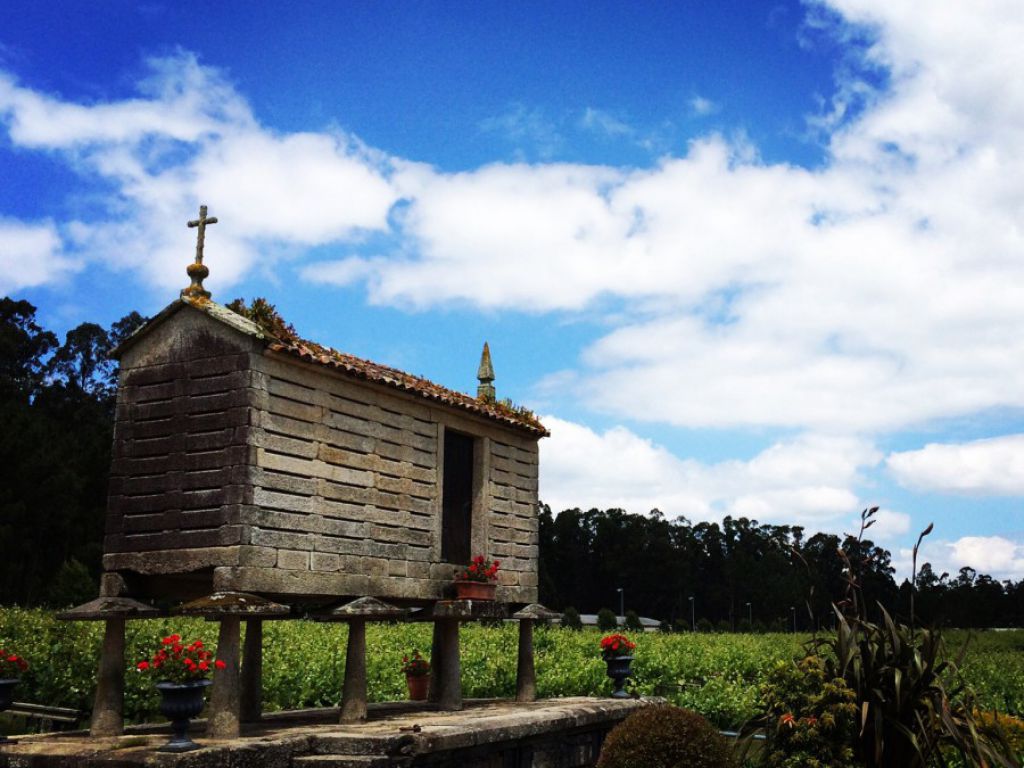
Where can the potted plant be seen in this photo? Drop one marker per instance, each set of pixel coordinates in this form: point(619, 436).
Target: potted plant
point(182, 672)
point(417, 675)
point(617, 651)
point(11, 667)
point(477, 581)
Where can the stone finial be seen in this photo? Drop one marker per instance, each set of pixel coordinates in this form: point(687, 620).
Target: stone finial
point(197, 271)
point(485, 374)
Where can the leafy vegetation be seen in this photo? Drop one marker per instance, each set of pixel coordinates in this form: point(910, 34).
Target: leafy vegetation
point(810, 718)
point(915, 708)
point(717, 675)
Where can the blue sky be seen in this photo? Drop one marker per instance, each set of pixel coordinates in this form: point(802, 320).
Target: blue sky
point(747, 258)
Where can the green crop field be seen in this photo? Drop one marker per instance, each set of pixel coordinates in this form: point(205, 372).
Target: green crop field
point(717, 675)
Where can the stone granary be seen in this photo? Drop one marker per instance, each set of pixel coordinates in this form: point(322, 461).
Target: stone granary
point(254, 471)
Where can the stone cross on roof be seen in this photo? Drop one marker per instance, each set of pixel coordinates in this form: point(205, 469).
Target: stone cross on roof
point(198, 271)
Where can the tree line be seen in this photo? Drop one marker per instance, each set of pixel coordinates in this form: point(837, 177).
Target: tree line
point(56, 408)
point(741, 574)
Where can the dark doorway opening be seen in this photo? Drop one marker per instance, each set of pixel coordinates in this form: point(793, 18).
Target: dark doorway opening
point(457, 498)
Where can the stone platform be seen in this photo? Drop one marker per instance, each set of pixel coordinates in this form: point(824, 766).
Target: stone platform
point(562, 733)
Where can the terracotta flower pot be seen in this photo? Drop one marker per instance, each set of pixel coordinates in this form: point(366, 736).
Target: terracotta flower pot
point(475, 590)
point(179, 703)
point(418, 686)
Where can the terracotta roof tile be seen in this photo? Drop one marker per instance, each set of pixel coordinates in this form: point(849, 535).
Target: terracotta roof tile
point(392, 377)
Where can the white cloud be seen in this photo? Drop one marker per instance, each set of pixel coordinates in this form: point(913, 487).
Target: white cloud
point(190, 138)
point(806, 480)
point(30, 255)
point(991, 467)
point(878, 292)
point(702, 106)
point(888, 525)
point(996, 556)
point(602, 122)
point(527, 128)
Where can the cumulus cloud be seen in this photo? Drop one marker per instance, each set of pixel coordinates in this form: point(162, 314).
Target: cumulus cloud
point(991, 467)
point(996, 556)
point(875, 293)
point(188, 138)
point(31, 255)
point(807, 480)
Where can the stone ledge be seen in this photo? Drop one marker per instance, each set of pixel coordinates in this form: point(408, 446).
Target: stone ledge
point(408, 734)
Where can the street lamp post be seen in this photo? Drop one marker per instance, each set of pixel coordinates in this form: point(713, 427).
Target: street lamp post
point(622, 603)
point(750, 615)
point(792, 610)
point(693, 616)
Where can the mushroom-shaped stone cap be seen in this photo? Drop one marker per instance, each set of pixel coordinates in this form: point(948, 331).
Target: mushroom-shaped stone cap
point(240, 604)
point(109, 608)
point(536, 612)
point(366, 608)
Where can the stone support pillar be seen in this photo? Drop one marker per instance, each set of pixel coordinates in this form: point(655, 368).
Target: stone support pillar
point(223, 714)
point(113, 610)
point(251, 707)
point(436, 665)
point(353, 696)
point(108, 706)
point(449, 693)
point(526, 678)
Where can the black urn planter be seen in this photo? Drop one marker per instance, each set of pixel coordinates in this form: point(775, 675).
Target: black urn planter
point(179, 703)
point(619, 672)
point(6, 697)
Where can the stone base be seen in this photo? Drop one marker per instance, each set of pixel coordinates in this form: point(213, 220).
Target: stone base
point(567, 733)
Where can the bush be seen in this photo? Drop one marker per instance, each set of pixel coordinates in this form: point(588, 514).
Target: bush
point(724, 627)
point(664, 736)
point(571, 619)
point(809, 720)
point(72, 585)
point(705, 625)
point(606, 620)
point(632, 622)
point(744, 626)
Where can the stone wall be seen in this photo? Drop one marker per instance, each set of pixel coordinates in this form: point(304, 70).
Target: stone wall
point(180, 470)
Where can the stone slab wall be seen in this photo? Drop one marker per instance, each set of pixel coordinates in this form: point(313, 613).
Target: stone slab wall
point(347, 493)
point(182, 434)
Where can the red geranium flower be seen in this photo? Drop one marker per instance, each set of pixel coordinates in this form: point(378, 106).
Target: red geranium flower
point(479, 569)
